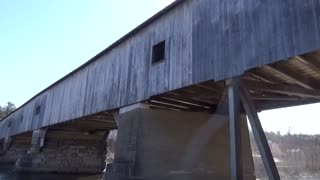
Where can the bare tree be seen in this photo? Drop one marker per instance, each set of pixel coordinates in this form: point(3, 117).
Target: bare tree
point(6, 109)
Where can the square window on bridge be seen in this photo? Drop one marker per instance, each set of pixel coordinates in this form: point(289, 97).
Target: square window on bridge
point(158, 52)
point(37, 110)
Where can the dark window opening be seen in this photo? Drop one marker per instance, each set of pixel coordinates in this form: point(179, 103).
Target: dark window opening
point(158, 52)
point(37, 111)
point(21, 118)
point(9, 125)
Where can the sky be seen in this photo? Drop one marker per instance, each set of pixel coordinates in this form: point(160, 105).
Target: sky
point(42, 41)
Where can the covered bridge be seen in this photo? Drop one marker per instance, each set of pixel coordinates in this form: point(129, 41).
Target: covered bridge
point(178, 61)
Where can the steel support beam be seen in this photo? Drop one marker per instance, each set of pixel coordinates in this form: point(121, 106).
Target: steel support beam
point(235, 130)
point(258, 133)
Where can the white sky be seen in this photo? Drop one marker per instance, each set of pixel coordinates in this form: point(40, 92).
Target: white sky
point(163, 3)
point(300, 119)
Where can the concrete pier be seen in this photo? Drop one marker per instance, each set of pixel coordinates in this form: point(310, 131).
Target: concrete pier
point(158, 144)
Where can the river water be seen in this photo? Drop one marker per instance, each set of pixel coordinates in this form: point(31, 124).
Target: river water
point(7, 174)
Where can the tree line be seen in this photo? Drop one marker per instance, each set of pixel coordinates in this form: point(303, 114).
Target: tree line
point(295, 154)
point(6, 109)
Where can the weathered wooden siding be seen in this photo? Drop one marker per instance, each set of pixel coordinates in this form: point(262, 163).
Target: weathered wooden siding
point(231, 36)
point(205, 39)
point(125, 75)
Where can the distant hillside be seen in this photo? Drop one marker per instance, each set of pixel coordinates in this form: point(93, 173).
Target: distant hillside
point(295, 155)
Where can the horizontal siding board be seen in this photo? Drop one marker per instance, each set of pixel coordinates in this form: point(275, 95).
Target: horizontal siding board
point(205, 40)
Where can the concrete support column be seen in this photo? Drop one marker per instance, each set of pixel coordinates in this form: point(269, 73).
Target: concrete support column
point(123, 166)
point(161, 144)
point(38, 140)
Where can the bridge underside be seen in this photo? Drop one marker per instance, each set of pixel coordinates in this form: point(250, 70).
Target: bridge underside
point(290, 82)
